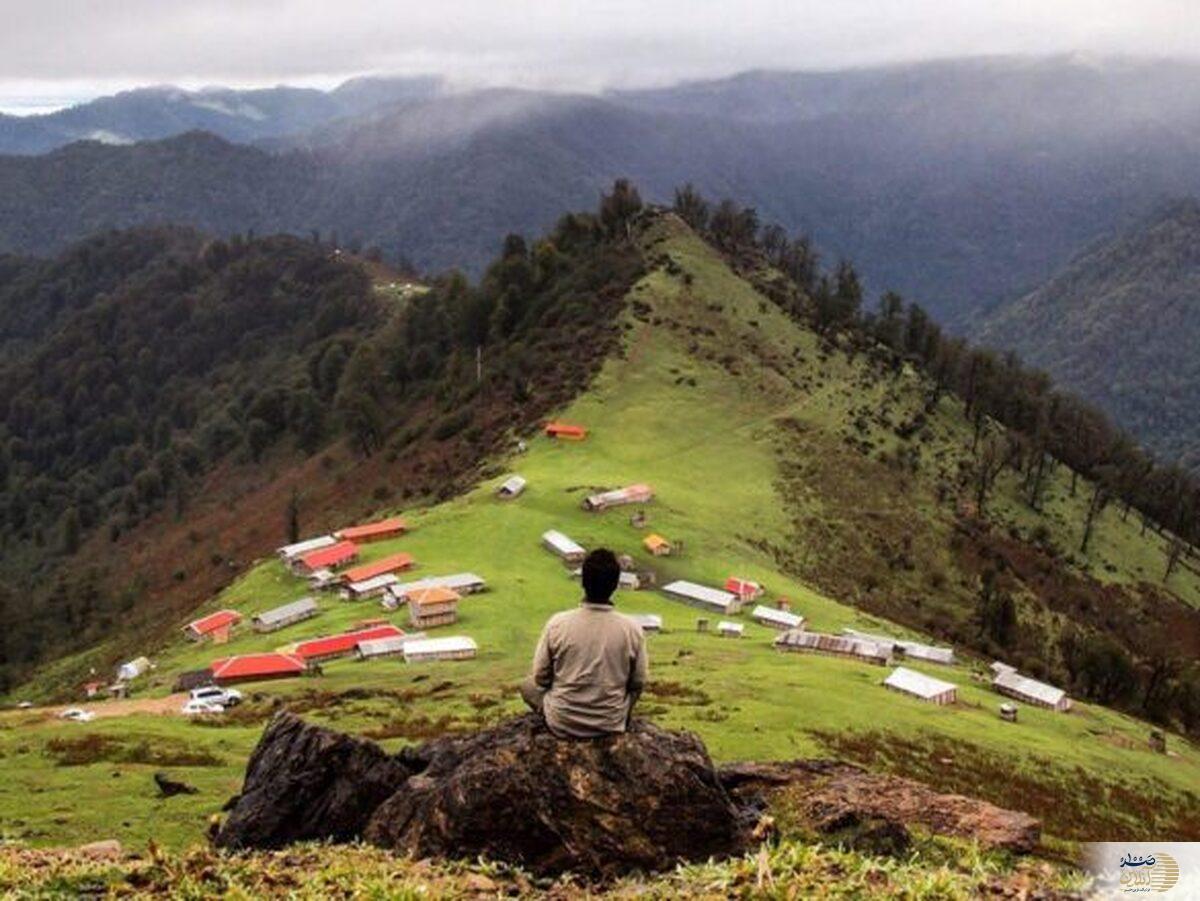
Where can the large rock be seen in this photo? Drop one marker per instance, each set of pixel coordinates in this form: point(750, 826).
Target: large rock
point(304, 782)
point(644, 800)
point(835, 798)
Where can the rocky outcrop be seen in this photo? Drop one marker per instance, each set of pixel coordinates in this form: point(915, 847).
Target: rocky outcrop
point(833, 797)
point(645, 800)
point(304, 782)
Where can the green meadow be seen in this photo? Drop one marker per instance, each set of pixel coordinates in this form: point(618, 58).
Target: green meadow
point(696, 416)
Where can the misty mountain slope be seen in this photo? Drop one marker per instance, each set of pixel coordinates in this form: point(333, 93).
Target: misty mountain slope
point(960, 184)
point(1120, 325)
point(238, 115)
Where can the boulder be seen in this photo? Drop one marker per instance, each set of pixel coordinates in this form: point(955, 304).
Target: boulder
point(644, 800)
point(832, 796)
point(304, 782)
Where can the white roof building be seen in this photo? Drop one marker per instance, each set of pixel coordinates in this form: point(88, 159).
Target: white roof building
point(650, 622)
point(278, 617)
point(513, 486)
point(127, 672)
point(455, 647)
point(702, 596)
point(836, 645)
point(558, 543)
point(919, 685)
point(634, 494)
point(462, 583)
point(1031, 691)
point(914, 649)
point(777, 619)
point(386, 647)
point(290, 552)
point(370, 587)
point(730, 630)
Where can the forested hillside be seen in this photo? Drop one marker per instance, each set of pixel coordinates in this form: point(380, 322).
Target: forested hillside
point(155, 378)
point(1120, 325)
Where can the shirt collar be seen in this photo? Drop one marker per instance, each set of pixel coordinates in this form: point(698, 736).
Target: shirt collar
point(601, 608)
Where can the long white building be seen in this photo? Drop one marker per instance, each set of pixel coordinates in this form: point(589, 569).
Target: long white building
point(704, 597)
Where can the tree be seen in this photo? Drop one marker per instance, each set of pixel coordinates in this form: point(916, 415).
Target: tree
point(691, 207)
point(989, 462)
point(618, 208)
point(1100, 498)
point(996, 611)
point(293, 517)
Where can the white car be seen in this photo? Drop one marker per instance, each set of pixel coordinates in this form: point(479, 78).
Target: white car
point(200, 708)
point(77, 715)
point(214, 694)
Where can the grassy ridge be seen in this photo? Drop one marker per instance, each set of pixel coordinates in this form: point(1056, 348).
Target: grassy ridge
point(695, 406)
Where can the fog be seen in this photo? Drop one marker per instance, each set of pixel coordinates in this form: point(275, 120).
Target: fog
point(53, 52)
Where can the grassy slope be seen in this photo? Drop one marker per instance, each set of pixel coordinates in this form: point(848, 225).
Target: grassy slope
point(712, 452)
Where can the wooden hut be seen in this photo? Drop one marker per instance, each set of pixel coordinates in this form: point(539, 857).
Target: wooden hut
point(432, 607)
point(456, 647)
point(563, 547)
point(280, 617)
point(704, 597)
point(919, 685)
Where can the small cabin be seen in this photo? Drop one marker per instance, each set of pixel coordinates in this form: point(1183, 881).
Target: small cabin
point(727, 629)
point(386, 647)
point(127, 672)
point(704, 597)
point(432, 607)
point(565, 431)
point(290, 552)
point(657, 545)
point(393, 563)
point(373, 531)
point(633, 494)
point(216, 627)
point(563, 547)
point(460, 583)
point(777, 619)
point(256, 668)
point(650, 622)
point(280, 617)
point(369, 588)
point(798, 640)
point(342, 645)
point(1021, 688)
point(744, 588)
point(926, 688)
point(333, 557)
point(457, 647)
point(513, 486)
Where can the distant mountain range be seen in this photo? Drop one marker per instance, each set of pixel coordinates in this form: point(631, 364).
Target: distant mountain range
point(162, 112)
point(958, 183)
point(1120, 325)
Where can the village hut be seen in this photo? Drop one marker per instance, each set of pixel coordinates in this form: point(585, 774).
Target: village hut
point(563, 547)
point(657, 545)
point(910, 682)
point(280, 617)
point(513, 486)
point(216, 627)
point(704, 597)
point(798, 640)
point(1012, 684)
point(565, 431)
point(650, 622)
point(727, 629)
point(432, 607)
point(633, 494)
point(455, 647)
point(290, 552)
point(373, 531)
point(744, 589)
point(776, 619)
point(256, 668)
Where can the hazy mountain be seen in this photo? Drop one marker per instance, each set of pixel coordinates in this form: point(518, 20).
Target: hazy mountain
point(161, 112)
point(958, 183)
point(1120, 324)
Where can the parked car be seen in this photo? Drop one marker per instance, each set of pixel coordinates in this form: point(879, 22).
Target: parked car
point(214, 694)
point(77, 715)
point(200, 708)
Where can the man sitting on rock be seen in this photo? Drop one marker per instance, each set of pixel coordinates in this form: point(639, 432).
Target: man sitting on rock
point(590, 665)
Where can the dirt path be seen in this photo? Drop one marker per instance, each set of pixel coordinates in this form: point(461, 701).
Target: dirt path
point(105, 709)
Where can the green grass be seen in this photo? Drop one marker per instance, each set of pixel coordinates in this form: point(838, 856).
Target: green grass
point(711, 450)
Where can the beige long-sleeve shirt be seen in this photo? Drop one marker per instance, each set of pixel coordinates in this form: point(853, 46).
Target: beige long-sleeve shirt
point(589, 660)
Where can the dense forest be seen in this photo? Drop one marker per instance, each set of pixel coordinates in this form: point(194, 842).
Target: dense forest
point(139, 361)
point(1019, 422)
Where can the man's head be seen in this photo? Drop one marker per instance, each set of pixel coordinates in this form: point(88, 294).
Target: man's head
point(601, 575)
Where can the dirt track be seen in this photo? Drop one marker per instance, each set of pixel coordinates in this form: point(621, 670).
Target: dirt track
point(104, 709)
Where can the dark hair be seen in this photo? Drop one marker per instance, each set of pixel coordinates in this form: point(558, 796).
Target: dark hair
point(601, 575)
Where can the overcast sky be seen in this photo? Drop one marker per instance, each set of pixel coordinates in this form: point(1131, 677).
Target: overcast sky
point(53, 52)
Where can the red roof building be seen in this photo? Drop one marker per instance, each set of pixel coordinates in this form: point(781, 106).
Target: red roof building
point(329, 557)
point(394, 563)
point(207, 626)
point(374, 531)
point(743, 588)
point(565, 430)
point(343, 644)
point(254, 667)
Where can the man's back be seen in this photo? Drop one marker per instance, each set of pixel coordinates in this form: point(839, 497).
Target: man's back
point(593, 662)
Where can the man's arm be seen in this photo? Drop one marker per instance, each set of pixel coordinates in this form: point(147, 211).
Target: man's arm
point(639, 672)
point(543, 661)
